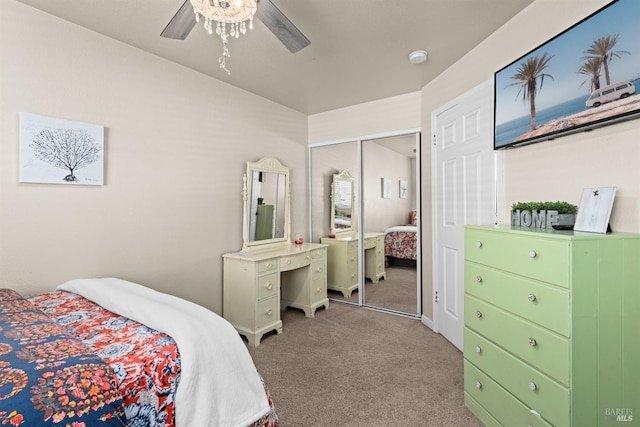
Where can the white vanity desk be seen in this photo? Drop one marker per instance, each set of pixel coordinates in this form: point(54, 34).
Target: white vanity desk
point(270, 273)
point(258, 285)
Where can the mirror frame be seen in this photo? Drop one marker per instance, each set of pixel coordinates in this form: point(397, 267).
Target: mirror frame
point(343, 176)
point(267, 165)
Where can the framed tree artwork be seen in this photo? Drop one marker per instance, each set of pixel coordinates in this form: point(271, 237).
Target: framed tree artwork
point(58, 151)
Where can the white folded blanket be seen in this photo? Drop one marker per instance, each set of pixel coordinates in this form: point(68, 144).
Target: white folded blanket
point(219, 384)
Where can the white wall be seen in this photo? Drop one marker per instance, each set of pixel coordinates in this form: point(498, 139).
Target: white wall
point(370, 118)
point(177, 143)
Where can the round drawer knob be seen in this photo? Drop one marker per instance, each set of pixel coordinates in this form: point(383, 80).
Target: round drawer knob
point(479, 279)
point(532, 386)
point(478, 349)
point(532, 254)
point(478, 314)
point(269, 285)
point(269, 266)
point(532, 342)
point(268, 312)
point(478, 244)
point(478, 385)
point(531, 297)
point(288, 262)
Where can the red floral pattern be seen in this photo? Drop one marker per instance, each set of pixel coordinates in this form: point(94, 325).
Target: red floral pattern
point(48, 378)
point(147, 361)
point(401, 244)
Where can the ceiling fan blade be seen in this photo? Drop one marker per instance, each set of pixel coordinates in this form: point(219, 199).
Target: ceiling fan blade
point(181, 24)
point(280, 25)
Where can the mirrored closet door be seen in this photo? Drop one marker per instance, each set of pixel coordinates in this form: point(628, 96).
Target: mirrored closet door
point(374, 259)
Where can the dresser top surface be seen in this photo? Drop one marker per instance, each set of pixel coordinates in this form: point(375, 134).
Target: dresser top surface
point(352, 238)
point(560, 234)
point(274, 253)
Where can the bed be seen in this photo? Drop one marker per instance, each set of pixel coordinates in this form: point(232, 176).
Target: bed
point(400, 245)
point(147, 359)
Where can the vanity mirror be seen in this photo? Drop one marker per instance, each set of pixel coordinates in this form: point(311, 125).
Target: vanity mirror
point(343, 218)
point(266, 221)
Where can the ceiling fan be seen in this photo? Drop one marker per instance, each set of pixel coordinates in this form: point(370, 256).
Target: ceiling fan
point(184, 20)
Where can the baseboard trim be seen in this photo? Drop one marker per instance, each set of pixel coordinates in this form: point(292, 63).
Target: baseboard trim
point(427, 322)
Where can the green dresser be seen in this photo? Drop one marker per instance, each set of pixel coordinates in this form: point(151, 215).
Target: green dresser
point(552, 327)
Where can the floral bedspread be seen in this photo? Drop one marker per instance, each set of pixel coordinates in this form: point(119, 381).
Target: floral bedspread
point(401, 244)
point(147, 362)
point(48, 377)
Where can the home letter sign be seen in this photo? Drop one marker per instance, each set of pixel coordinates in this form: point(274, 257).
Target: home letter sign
point(535, 219)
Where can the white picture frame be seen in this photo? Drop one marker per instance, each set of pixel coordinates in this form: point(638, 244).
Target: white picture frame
point(386, 188)
point(595, 209)
point(403, 189)
point(58, 151)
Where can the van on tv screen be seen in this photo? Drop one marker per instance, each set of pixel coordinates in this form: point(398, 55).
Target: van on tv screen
point(586, 77)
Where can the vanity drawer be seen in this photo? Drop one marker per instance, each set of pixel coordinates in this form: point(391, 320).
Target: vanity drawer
point(369, 243)
point(536, 257)
point(267, 312)
point(318, 270)
point(536, 390)
point(291, 262)
point(318, 290)
point(268, 265)
point(540, 303)
point(268, 285)
point(500, 404)
point(546, 350)
point(318, 254)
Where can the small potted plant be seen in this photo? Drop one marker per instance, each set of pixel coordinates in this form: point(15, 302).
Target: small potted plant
point(525, 213)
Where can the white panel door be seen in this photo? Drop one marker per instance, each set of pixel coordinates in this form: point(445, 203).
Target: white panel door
point(464, 192)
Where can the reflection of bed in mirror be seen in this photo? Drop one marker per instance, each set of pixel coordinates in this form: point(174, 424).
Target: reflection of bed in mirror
point(401, 244)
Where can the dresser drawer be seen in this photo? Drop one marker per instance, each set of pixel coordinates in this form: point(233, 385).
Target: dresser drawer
point(536, 390)
point(267, 266)
point(505, 408)
point(267, 285)
point(545, 350)
point(291, 262)
point(267, 312)
point(540, 303)
point(536, 257)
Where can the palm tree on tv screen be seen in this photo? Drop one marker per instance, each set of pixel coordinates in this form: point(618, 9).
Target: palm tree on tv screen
point(528, 74)
point(603, 49)
point(592, 68)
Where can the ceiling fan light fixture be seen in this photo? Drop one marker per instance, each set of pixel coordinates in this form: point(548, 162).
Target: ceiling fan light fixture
point(235, 13)
point(418, 56)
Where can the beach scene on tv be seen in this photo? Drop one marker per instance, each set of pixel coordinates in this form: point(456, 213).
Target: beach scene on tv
point(589, 74)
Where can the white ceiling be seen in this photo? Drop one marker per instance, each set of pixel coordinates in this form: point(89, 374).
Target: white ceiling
point(359, 48)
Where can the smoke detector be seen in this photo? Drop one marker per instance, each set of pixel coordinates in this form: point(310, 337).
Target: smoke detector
point(418, 56)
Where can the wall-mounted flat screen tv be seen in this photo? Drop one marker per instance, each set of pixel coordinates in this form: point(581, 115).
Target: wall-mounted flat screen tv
point(586, 77)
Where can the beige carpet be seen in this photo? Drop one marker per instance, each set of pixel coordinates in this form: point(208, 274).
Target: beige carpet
point(397, 291)
point(354, 367)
